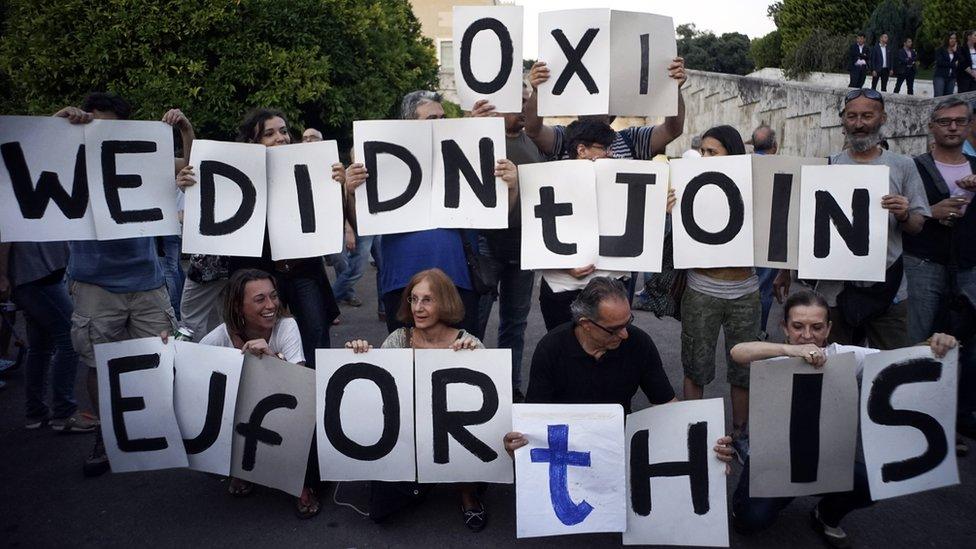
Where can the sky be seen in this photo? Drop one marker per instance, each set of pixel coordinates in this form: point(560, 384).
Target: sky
point(718, 16)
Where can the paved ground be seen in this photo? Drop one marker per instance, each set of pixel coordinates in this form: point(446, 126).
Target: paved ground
point(46, 502)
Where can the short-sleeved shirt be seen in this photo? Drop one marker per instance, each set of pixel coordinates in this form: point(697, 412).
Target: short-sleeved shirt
point(903, 179)
point(639, 146)
point(563, 373)
point(406, 254)
point(285, 339)
point(399, 339)
point(118, 266)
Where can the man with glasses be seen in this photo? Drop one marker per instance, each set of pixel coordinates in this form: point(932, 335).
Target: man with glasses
point(940, 261)
point(859, 310)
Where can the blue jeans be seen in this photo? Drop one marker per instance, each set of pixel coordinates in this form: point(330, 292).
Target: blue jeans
point(514, 294)
point(306, 298)
point(927, 286)
point(766, 278)
point(172, 270)
point(942, 86)
point(47, 309)
point(753, 515)
point(345, 284)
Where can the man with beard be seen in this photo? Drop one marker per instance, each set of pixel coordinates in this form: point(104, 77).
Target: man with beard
point(877, 312)
point(514, 289)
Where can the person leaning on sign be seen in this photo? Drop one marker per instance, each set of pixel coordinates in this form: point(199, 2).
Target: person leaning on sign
point(406, 254)
point(600, 358)
point(303, 283)
point(806, 326)
point(429, 309)
point(878, 312)
point(256, 322)
point(117, 286)
point(720, 299)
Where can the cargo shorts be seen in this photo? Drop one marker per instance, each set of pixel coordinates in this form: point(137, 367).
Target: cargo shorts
point(702, 316)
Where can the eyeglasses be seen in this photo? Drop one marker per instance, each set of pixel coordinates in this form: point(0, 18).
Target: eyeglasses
point(426, 301)
point(614, 329)
point(946, 122)
point(863, 92)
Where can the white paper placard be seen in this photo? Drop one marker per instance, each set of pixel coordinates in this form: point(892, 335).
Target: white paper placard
point(131, 178)
point(586, 34)
point(587, 443)
point(789, 419)
point(51, 146)
point(368, 438)
point(487, 41)
point(712, 220)
point(135, 387)
point(232, 201)
point(277, 401)
point(776, 208)
point(305, 217)
point(903, 392)
point(668, 434)
point(830, 258)
point(204, 398)
point(632, 199)
point(464, 410)
point(571, 186)
point(400, 170)
point(458, 146)
point(642, 45)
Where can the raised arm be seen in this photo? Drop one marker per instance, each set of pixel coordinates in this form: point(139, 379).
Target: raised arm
point(673, 126)
point(543, 136)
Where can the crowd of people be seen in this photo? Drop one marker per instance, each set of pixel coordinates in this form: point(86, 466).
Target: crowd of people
point(954, 67)
point(75, 295)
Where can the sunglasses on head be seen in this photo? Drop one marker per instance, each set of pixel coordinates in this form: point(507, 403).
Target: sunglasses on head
point(863, 92)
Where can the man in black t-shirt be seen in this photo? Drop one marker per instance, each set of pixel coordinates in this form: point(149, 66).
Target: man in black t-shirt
point(599, 358)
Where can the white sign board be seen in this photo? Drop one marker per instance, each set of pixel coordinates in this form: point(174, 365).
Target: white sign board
point(488, 56)
point(776, 208)
point(843, 228)
point(712, 220)
point(570, 476)
point(676, 484)
point(642, 45)
point(908, 421)
point(204, 398)
point(559, 214)
point(464, 410)
point(575, 45)
point(225, 212)
point(466, 194)
point(305, 217)
point(135, 387)
point(632, 198)
point(364, 414)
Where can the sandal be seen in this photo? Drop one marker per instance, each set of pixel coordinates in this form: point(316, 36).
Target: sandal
point(308, 505)
point(239, 488)
point(475, 519)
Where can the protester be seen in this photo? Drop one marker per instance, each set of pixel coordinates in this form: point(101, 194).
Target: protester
point(429, 309)
point(859, 310)
point(117, 285)
point(764, 142)
point(692, 152)
point(858, 56)
point(32, 275)
point(406, 254)
point(966, 75)
point(946, 67)
point(311, 135)
point(806, 326)
point(503, 246)
point(940, 261)
point(599, 358)
point(302, 283)
point(881, 63)
point(256, 322)
point(639, 142)
point(906, 63)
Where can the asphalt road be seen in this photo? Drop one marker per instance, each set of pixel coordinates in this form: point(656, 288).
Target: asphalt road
point(46, 502)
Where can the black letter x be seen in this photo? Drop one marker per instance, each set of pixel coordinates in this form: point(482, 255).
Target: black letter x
point(574, 61)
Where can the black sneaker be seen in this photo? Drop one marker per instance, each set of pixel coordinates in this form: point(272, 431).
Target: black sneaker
point(834, 536)
point(96, 464)
point(475, 519)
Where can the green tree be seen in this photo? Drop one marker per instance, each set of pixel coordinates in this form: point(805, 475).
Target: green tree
point(939, 18)
point(767, 51)
point(820, 51)
point(797, 19)
point(899, 18)
point(323, 62)
point(728, 53)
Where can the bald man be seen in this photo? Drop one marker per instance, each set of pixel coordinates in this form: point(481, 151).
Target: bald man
point(311, 135)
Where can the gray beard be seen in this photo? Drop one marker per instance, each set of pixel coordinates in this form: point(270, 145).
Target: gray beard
point(864, 144)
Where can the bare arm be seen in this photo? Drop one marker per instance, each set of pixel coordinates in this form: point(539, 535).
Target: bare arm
point(176, 118)
point(543, 136)
point(914, 223)
point(751, 351)
point(673, 126)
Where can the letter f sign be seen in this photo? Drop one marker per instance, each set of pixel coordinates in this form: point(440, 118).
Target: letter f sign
point(559, 459)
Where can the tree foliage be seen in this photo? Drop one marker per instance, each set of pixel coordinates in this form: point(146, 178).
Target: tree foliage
point(798, 19)
point(899, 18)
point(821, 51)
point(767, 51)
point(728, 53)
point(940, 17)
point(323, 62)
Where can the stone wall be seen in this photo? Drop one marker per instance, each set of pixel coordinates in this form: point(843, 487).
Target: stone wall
point(805, 116)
